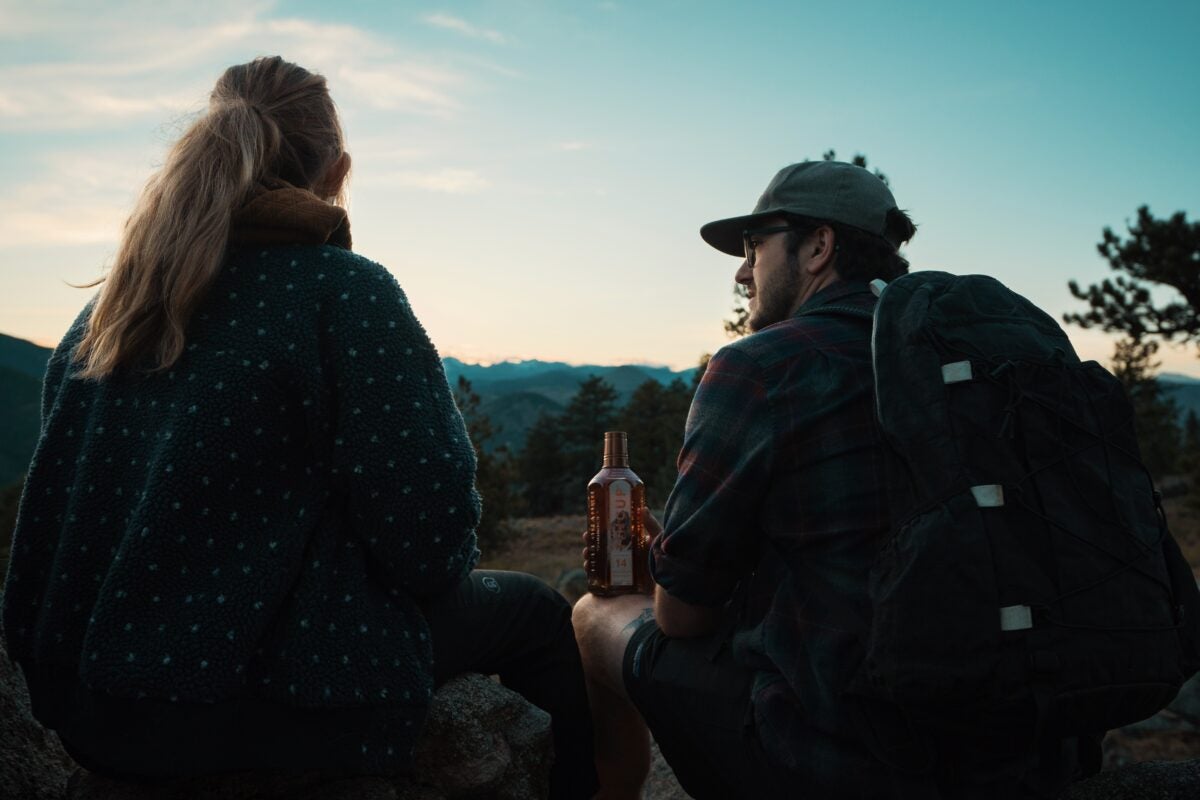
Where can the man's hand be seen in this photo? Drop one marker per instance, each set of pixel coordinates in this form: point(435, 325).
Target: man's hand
point(675, 617)
point(653, 528)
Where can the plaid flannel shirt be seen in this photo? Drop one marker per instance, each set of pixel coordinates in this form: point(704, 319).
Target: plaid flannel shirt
point(778, 510)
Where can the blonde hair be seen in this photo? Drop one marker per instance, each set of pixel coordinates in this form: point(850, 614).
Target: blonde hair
point(267, 121)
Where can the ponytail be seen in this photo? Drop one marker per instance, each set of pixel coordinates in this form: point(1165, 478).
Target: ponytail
point(268, 121)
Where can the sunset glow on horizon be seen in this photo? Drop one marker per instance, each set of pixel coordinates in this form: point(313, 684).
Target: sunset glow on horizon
point(535, 173)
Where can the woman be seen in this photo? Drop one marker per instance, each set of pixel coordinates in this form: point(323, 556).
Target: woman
point(246, 539)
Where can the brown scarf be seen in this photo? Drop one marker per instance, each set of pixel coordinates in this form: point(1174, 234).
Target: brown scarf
point(283, 214)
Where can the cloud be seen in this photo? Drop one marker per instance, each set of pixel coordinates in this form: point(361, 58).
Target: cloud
point(449, 180)
point(459, 25)
point(404, 87)
point(51, 102)
point(572, 146)
point(145, 61)
point(139, 72)
point(384, 151)
point(80, 198)
point(71, 223)
point(381, 163)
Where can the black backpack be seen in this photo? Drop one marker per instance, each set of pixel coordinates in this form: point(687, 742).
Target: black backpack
point(1029, 564)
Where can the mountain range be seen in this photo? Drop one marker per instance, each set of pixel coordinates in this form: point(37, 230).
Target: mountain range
point(512, 394)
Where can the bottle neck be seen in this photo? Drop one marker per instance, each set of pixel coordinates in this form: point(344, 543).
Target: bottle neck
point(616, 449)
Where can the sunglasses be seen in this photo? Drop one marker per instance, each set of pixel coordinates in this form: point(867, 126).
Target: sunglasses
point(751, 235)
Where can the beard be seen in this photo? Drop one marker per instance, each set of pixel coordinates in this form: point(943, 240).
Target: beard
point(774, 299)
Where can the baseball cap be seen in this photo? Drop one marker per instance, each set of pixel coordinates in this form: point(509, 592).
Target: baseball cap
point(829, 190)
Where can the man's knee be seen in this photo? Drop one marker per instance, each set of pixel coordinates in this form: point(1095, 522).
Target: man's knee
point(603, 628)
point(584, 619)
point(596, 619)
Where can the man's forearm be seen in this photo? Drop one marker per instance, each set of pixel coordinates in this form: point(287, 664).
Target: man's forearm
point(681, 620)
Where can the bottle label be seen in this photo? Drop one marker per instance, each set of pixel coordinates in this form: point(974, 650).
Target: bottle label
point(620, 533)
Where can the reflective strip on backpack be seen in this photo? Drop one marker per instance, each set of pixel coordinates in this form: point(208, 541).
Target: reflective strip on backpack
point(1016, 618)
point(989, 495)
point(956, 372)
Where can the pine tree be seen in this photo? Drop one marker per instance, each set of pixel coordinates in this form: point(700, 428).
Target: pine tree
point(591, 412)
point(1155, 415)
point(541, 466)
point(1190, 457)
point(641, 419)
point(654, 418)
point(494, 472)
point(677, 402)
point(1157, 253)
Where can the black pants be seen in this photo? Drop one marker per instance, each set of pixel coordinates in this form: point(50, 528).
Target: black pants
point(515, 626)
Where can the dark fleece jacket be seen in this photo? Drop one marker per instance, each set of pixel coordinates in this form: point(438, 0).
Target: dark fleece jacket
point(220, 566)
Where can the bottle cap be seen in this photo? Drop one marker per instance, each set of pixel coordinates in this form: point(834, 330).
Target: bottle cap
point(616, 449)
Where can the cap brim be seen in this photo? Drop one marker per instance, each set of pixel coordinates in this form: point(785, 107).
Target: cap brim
point(726, 234)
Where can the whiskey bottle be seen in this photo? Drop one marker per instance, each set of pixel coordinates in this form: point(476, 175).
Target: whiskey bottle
point(616, 544)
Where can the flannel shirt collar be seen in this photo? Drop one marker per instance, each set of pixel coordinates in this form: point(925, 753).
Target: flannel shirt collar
point(831, 294)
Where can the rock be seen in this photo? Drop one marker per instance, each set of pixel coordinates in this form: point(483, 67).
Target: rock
point(483, 739)
point(33, 763)
point(572, 584)
point(480, 740)
point(1187, 703)
point(86, 785)
point(1160, 780)
point(1171, 734)
point(1165, 720)
point(661, 783)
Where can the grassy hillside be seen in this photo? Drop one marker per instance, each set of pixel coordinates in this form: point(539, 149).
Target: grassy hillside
point(1186, 395)
point(513, 414)
point(549, 546)
point(561, 385)
point(20, 421)
point(24, 357)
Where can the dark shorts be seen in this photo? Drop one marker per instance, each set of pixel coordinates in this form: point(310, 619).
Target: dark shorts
point(696, 701)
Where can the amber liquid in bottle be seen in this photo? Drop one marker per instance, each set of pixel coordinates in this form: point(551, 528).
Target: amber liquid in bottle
point(616, 545)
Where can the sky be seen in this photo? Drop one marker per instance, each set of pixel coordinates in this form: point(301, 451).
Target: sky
point(535, 173)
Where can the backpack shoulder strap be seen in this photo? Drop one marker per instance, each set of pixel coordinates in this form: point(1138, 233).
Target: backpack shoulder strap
point(877, 286)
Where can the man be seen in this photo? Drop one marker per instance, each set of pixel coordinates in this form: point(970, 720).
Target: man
point(737, 662)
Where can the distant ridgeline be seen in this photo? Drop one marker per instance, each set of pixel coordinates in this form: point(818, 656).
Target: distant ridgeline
point(22, 365)
point(512, 395)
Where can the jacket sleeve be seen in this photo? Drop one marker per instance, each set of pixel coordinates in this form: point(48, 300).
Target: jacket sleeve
point(400, 448)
